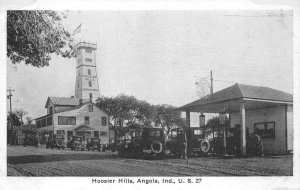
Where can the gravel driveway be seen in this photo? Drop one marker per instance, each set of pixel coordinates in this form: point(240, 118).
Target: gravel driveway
point(30, 161)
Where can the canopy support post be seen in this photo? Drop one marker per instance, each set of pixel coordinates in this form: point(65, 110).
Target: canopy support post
point(243, 127)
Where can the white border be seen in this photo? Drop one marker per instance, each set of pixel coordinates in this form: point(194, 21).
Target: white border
point(208, 182)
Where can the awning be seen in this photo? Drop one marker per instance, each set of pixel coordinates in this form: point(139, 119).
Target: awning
point(229, 99)
point(84, 128)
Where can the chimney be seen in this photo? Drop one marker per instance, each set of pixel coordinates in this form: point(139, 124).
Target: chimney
point(80, 101)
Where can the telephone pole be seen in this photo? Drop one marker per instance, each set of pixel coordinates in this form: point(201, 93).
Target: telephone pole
point(211, 101)
point(10, 116)
point(9, 97)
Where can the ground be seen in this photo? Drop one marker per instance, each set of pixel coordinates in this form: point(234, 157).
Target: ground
point(31, 161)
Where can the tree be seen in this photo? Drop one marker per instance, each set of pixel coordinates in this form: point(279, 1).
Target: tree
point(13, 120)
point(21, 113)
point(167, 117)
point(214, 124)
point(127, 111)
point(33, 35)
point(29, 119)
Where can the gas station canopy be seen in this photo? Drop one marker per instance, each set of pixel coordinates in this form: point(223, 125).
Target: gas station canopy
point(229, 99)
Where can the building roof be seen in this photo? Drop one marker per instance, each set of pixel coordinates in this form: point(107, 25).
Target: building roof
point(64, 101)
point(239, 91)
point(85, 101)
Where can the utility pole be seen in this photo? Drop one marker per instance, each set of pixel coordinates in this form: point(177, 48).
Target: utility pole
point(211, 100)
point(9, 97)
point(10, 112)
point(211, 85)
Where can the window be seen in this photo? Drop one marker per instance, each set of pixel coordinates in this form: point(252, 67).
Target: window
point(90, 83)
point(103, 134)
point(104, 121)
point(265, 130)
point(44, 122)
point(174, 133)
point(86, 120)
point(154, 133)
point(50, 110)
point(90, 108)
point(62, 120)
point(88, 50)
point(91, 96)
point(197, 132)
point(49, 121)
point(69, 134)
point(96, 134)
point(89, 71)
point(38, 124)
point(60, 132)
point(88, 60)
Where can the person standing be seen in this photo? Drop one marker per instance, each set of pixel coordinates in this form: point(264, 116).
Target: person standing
point(258, 145)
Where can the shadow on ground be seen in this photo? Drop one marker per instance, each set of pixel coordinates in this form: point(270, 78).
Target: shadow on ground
point(55, 158)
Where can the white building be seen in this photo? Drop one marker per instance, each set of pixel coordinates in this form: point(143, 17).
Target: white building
point(73, 117)
point(86, 86)
point(267, 111)
point(70, 116)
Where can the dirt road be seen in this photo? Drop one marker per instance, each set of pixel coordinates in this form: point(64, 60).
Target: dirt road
point(30, 161)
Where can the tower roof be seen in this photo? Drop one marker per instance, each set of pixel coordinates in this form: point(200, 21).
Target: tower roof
point(85, 45)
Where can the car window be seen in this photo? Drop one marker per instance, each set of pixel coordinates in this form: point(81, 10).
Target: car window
point(174, 134)
point(154, 133)
point(197, 132)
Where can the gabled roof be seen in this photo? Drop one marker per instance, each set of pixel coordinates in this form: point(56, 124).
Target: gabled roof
point(64, 101)
point(239, 91)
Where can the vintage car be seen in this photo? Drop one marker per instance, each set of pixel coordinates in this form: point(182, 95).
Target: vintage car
point(57, 142)
point(197, 144)
point(143, 143)
point(203, 142)
point(76, 143)
point(94, 144)
point(30, 140)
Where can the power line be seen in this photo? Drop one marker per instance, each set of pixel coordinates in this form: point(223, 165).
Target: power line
point(225, 81)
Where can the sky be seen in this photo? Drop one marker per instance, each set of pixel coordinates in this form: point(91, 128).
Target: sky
point(157, 56)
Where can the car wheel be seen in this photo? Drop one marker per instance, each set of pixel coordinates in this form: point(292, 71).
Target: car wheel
point(205, 146)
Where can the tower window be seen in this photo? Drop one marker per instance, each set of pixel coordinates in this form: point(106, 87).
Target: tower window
point(88, 50)
point(88, 60)
point(89, 71)
point(90, 83)
point(90, 108)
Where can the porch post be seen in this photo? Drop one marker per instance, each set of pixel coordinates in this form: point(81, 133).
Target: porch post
point(243, 127)
point(188, 118)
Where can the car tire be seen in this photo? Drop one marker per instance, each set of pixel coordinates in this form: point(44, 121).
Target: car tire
point(205, 146)
point(153, 149)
